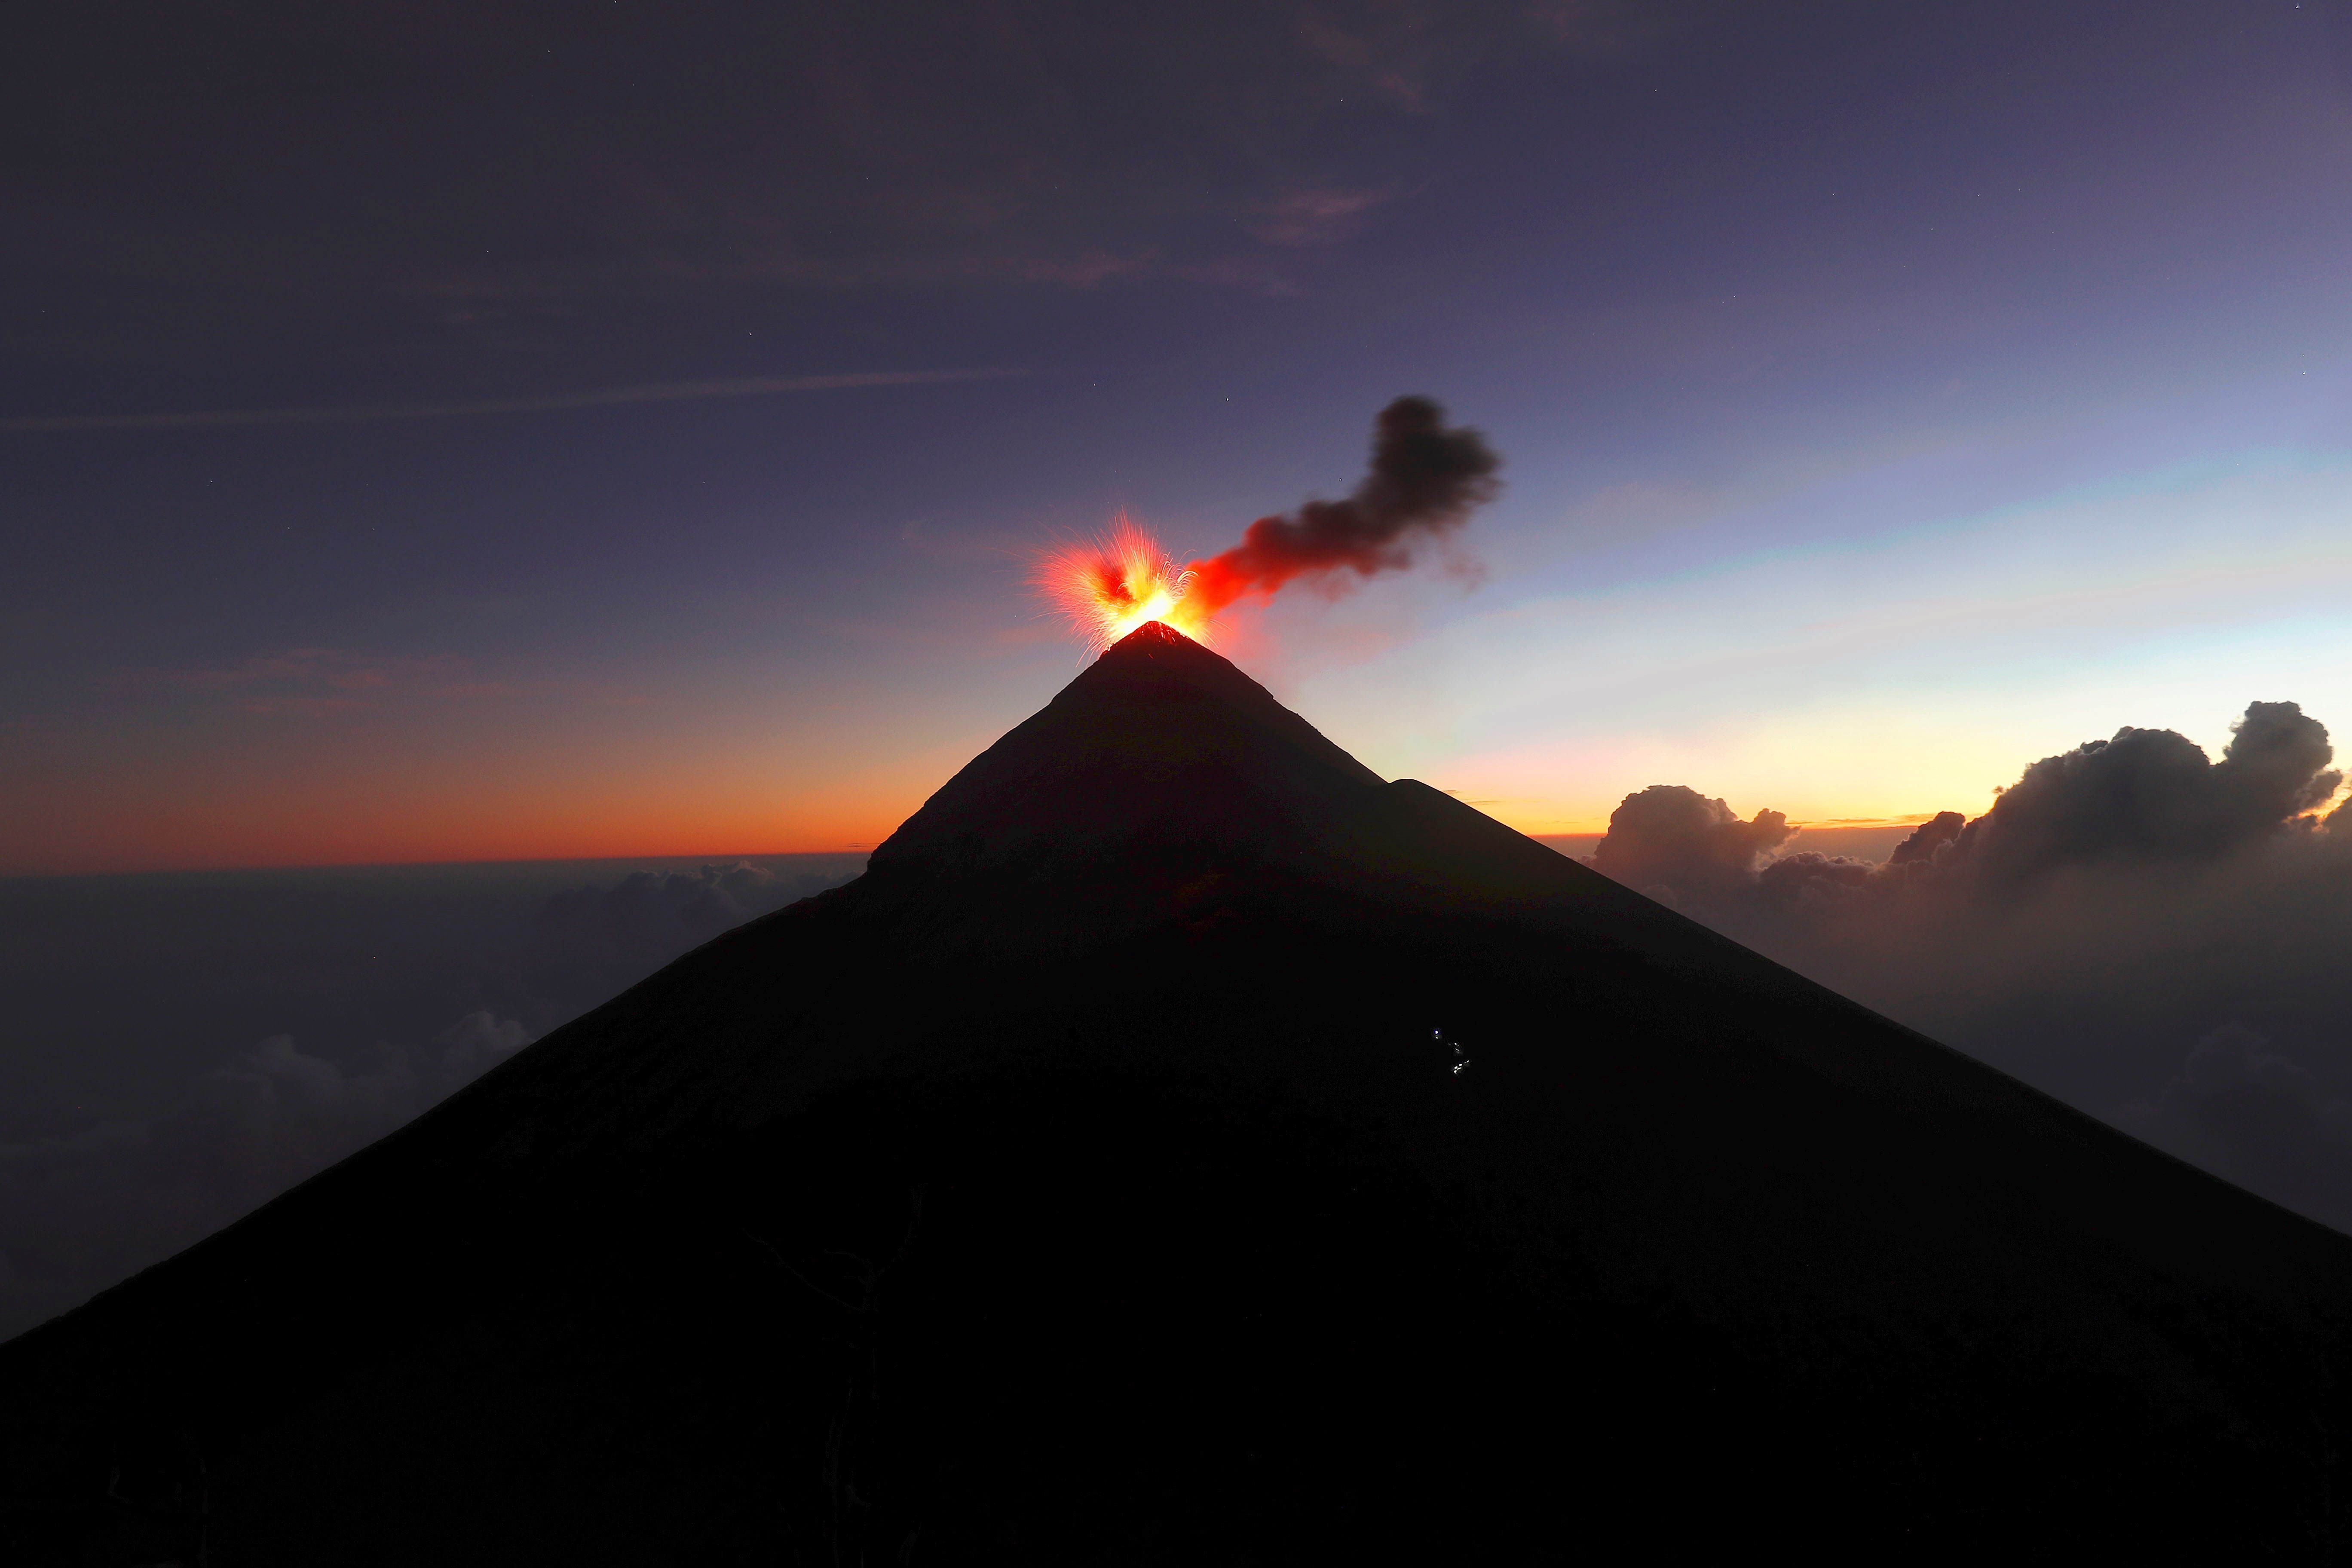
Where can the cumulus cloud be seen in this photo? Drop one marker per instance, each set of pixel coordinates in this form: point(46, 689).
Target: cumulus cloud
point(2159, 937)
point(2153, 794)
point(1670, 841)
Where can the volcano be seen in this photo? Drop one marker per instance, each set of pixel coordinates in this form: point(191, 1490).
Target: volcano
point(1183, 1146)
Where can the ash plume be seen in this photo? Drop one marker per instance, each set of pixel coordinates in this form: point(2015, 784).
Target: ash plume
point(1425, 482)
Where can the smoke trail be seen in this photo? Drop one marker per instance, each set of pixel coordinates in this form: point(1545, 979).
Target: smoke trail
point(1425, 482)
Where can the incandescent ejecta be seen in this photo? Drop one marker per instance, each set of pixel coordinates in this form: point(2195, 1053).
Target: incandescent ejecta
point(1424, 481)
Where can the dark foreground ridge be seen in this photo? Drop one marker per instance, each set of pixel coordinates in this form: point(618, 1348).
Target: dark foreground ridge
point(1182, 1147)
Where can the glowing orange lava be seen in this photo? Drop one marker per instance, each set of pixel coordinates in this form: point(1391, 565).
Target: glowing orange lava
point(1110, 584)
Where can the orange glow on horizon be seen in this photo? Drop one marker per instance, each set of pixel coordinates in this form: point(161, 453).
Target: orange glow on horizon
point(197, 819)
point(240, 822)
point(1110, 584)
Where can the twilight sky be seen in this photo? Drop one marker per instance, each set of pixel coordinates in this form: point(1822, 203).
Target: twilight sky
point(620, 429)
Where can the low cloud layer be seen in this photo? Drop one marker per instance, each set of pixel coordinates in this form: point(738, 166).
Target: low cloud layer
point(2161, 938)
point(651, 917)
point(134, 1144)
point(83, 1212)
point(80, 1212)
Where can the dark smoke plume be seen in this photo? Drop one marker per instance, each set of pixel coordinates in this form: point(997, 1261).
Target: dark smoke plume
point(1426, 481)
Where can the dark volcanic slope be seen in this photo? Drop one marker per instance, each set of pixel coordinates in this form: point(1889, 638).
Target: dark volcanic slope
point(1093, 1181)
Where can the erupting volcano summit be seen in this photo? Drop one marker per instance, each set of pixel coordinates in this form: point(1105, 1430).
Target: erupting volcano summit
point(1424, 481)
point(1099, 1178)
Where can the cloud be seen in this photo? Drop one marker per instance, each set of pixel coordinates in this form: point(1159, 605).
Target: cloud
point(314, 682)
point(605, 397)
point(651, 917)
point(131, 1137)
point(2152, 793)
point(80, 1212)
point(1673, 840)
point(325, 682)
point(1608, 30)
point(1392, 52)
point(1315, 217)
point(2160, 938)
point(2243, 1110)
point(277, 1115)
point(798, 145)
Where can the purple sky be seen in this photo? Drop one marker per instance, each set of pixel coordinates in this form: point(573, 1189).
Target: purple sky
point(1890, 394)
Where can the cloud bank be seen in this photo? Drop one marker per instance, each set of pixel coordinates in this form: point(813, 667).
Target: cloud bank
point(2157, 936)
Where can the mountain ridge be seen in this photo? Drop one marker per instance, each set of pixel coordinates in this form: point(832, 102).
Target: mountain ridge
point(1269, 1151)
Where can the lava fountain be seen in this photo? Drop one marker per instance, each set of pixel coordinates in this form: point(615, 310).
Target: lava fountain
point(1117, 581)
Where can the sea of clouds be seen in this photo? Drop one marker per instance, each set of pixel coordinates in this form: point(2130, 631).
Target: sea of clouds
point(179, 1049)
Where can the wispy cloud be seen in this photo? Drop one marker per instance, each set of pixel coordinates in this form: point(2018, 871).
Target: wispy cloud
point(604, 397)
point(1315, 217)
point(327, 682)
point(315, 682)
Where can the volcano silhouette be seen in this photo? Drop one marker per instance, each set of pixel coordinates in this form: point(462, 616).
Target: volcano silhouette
point(1181, 1146)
